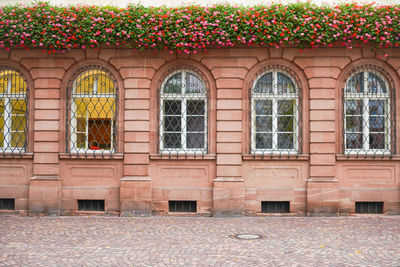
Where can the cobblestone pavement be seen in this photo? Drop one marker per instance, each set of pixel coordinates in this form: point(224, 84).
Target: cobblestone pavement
point(197, 241)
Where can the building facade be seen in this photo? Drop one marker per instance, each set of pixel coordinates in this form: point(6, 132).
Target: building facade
point(245, 131)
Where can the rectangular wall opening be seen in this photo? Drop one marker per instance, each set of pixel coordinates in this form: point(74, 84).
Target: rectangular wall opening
point(7, 204)
point(369, 207)
point(275, 206)
point(182, 206)
point(90, 205)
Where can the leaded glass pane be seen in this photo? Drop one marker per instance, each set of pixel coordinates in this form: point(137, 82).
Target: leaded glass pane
point(263, 140)
point(274, 111)
point(264, 124)
point(285, 84)
point(367, 122)
point(354, 123)
point(174, 84)
point(375, 84)
point(195, 140)
point(356, 83)
point(377, 141)
point(354, 140)
point(285, 140)
point(263, 107)
point(172, 140)
point(354, 107)
point(264, 84)
point(183, 113)
point(194, 84)
point(195, 107)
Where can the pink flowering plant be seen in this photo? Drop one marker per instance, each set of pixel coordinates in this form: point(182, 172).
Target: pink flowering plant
point(190, 29)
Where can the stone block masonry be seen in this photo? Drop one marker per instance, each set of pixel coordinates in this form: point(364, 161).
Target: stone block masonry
point(233, 169)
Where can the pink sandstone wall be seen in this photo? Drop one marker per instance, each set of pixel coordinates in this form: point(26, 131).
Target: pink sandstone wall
point(227, 180)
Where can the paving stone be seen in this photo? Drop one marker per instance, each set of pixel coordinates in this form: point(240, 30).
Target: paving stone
point(199, 241)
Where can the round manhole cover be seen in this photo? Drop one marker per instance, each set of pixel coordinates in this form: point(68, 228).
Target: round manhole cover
point(248, 236)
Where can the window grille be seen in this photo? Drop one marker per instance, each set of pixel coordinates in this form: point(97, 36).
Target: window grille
point(183, 114)
point(368, 116)
point(275, 206)
point(90, 205)
point(369, 207)
point(182, 206)
point(7, 204)
point(275, 107)
point(92, 112)
point(13, 111)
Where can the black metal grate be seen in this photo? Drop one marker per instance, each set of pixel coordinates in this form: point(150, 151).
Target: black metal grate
point(275, 107)
point(13, 111)
point(90, 205)
point(182, 206)
point(369, 207)
point(369, 113)
point(183, 113)
point(7, 204)
point(275, 206)
point(92, 112)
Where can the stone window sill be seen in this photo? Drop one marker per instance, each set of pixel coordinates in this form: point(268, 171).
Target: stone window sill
point(7, 155)
point(116, 156)
point(346, 157)
point(182, 156)
point(296, 157)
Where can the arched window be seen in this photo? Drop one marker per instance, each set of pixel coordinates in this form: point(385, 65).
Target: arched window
point(275, 112)
point(183, 113)
point(92, 111)
point(367, 112)
point(13, 111)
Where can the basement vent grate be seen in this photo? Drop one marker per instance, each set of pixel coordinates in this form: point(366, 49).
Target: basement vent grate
point(275, 206)
point(7, 204)
point(369, 207)
point(182, 206)
point(90, 205)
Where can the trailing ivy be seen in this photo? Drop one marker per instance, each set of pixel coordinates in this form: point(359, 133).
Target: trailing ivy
point(190, 29)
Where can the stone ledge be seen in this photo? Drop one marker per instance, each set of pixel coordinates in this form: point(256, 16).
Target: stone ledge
point(299, 157)
point(7, 155)
point(97, 156)
point(174, 156)
point(45, 178)
point(136, 179)
point(323, 180)
point(229, 179)
point(345, 157)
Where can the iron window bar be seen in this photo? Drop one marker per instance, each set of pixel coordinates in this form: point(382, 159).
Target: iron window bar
point(183, 128)
point(275, 113)
point(92, 113)
point(13, 112)
point(368, 116)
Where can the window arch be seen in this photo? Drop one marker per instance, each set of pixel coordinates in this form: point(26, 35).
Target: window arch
point(275, 110)
point(368, 116)
point(92, 111)
point(13, 111)
point(183, 113)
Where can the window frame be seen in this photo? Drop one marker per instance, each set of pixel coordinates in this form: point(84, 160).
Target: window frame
point(8, 98)
point(71, 138)
point(297, 129)
point(365, 99)
point(183, 98)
